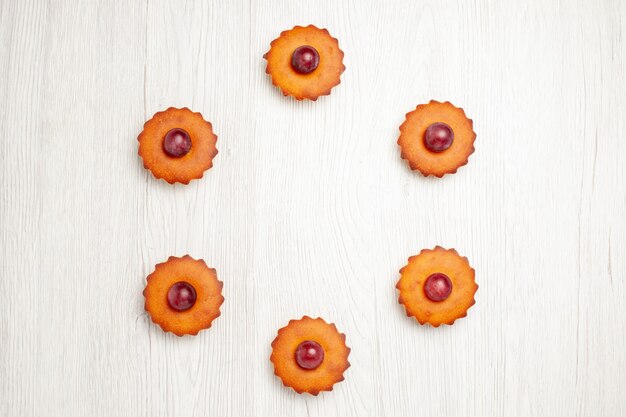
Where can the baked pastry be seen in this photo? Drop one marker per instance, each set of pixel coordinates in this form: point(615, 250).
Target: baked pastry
point(437, 286)
point(183, 295)
point(177, 145)
point(436, 138)
point(305, 62)
point(310, 355)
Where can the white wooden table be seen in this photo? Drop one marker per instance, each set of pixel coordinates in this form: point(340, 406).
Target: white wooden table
point(309, 208)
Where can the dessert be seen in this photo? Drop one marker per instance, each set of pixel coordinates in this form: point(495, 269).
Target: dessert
point(310, 355)
point(305, 62)
point(437, 286)
point(183, 295)
point(177, 145)
point(436, 138)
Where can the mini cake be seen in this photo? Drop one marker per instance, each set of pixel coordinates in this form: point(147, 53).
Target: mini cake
point(437, 286)
point(310, 355)
point(305, 62)
point(183, 295)
point(436, 138)
point(177, 145)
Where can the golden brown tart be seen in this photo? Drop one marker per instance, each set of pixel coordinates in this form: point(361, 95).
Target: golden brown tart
point(436, 138)
point(183, 295)
point(305, 62)
point(177, 145)
point(437, 286)
point(310, 355)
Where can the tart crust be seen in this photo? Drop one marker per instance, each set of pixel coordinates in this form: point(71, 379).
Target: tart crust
point(208, 290)
point(413, 277)
point(329, 372)
point(305, 86)
point(188, 167)
point(411, 139)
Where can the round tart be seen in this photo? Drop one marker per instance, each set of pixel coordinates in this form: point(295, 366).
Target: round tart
point(437, 286)
point(436, 138)
point(310, 355)
point(183, 295)
point(177, 145)
point(305, 62)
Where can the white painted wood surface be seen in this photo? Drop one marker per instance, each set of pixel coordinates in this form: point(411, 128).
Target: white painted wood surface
point(309, 208)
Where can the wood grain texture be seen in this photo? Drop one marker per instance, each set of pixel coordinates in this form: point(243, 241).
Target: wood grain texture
point(309, 208)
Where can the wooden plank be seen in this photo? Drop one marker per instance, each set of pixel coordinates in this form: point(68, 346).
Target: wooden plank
point(309, 208)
